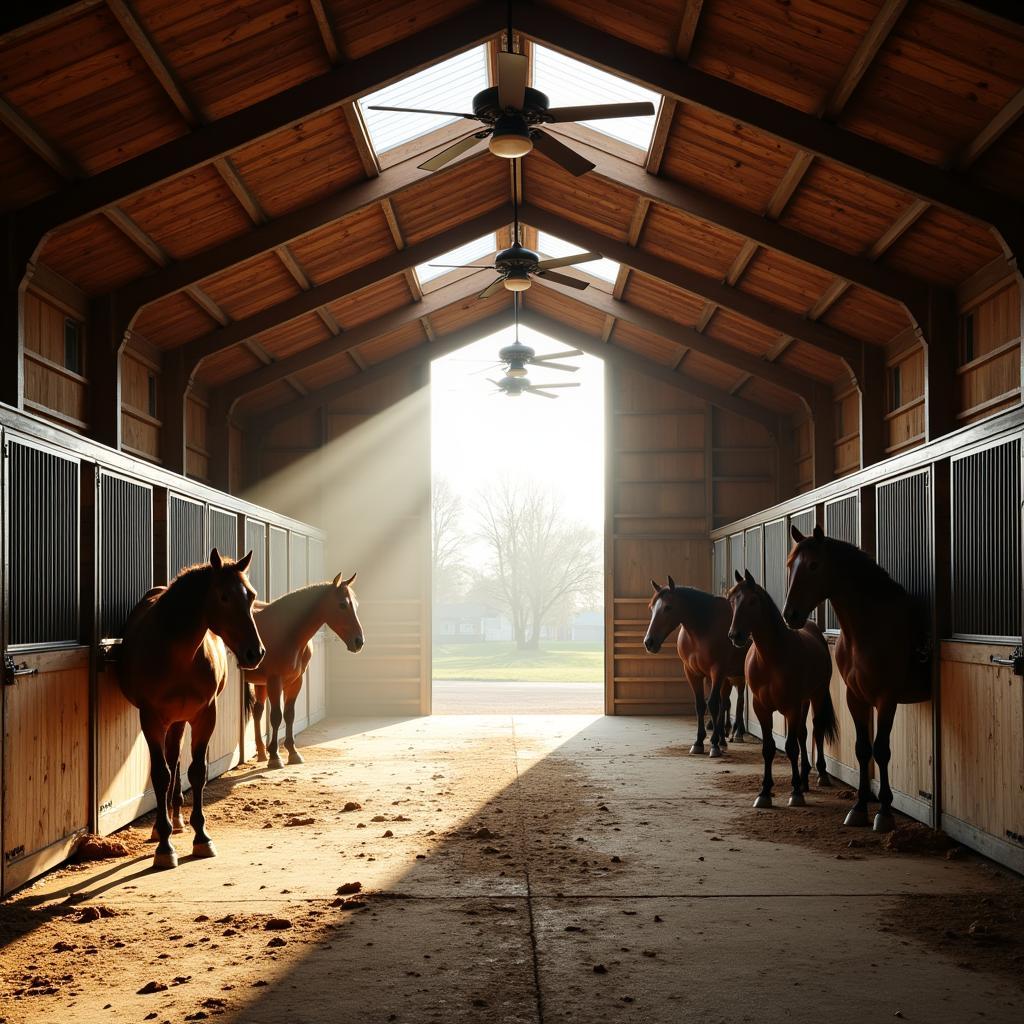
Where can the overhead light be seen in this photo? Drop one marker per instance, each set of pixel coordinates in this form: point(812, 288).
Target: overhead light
point(516, 371)
point(510, 138)
point(518, 280)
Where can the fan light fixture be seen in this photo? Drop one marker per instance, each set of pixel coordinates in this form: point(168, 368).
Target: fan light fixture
point(510, 138)
point(518, 279)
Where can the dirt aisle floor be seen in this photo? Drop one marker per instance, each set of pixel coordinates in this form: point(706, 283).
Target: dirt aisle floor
point(527, 868)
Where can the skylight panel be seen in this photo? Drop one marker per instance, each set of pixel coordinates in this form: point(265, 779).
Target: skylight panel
point(569, 82)
point(472, 252)
point(554, 248)
point(450, 85)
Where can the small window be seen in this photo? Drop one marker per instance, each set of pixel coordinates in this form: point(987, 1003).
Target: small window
point(895, 388)
point(72, 345)
point(967, 337)
point(151, 391)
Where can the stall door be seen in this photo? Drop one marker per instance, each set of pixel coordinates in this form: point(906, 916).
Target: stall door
point(982, 700)
point(46, 706)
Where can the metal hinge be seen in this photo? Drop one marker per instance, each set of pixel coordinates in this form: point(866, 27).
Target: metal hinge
point(1015, 661)
point(12, 671)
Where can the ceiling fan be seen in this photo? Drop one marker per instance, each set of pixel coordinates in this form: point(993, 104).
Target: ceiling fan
point(516, 265)
point(516, 386)
point(512, 114)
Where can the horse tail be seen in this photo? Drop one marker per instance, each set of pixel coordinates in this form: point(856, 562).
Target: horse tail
point(250, 699)
point(825, 722)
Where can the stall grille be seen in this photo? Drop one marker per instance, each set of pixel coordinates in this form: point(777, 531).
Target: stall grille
point(775, 552)
point(842, 521)
point(186, 533)
point(126, 549)
point(256, 542)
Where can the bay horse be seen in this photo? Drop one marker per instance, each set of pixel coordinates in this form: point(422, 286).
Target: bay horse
point(703, 647)
point(787, 670)
point(287, 626)
point(882, 651)
point(172, 666)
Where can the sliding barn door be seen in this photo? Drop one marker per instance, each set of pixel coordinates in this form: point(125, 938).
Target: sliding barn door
point(376, 480)
point(657, 523)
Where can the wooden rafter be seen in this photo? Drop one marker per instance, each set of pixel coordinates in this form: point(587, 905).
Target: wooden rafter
point(219, 138)
point(992, 132)
point(688, 28)
point(31, 136)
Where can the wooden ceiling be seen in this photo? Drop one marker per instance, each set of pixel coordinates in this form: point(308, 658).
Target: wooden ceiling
point(819, 169)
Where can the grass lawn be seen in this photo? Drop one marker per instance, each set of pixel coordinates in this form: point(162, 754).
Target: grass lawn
point(555, 662)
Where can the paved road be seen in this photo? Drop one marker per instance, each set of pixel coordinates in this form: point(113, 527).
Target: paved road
point(502, 698)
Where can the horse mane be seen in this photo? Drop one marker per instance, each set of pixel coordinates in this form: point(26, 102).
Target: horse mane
point(298, 595)
point(855, 564)
point(772, 609)
point(700, 603)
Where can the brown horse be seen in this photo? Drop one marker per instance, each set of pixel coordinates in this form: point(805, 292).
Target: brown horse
point(287, 626)
point(703, 647)
point(787, 670)
point(882, 650)
point(172, 666)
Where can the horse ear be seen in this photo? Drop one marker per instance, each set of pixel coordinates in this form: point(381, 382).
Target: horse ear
point(351, 579)
point(336, 580)
point(819, 533)
point(736, 573)
point(749, 578)
point(657, 587)
point(243, 563)
point(215, 559)
point(798, 537)
point(671, 583)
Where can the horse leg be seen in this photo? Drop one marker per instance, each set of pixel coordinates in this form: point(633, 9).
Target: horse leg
point(714, 706)
point(884, 821)
point(257, 724)
point(202, 730)
point(818, 739)
point(294, 757)
point(698, 699)
point(796, 799)
point(805, 761)
point(739, 728)
point(861, 712)
point(764, 716)
point(155, 732)
point(274, 696)
point(725, 715)
point(172, 753)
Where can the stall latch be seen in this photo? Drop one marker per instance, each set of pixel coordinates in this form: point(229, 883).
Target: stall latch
point(12, 671)
point(1015, 661)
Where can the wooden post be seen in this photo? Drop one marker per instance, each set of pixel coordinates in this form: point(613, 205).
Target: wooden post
point(174, 384)
point(872, 406)
point(942, 320)
point(823, 428)
point(785, 476)
point(218, 441)
point(107, 337)
point(12, 333)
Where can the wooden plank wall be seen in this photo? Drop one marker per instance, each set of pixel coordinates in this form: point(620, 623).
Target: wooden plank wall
point(904, 415)
point(140, 429)
point(991, 380)
point(847, 430)
point(803, 457)
point(51, 388)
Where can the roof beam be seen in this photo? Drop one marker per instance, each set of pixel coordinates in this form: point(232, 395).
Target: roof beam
point(805, 131)
point(688, 338)
point(993, 131)
point(676, 196)
point(445, 344)
point(347, 341)
point(819, 335)
point(266, 237)
point(218, 138)
point(617, 356)
point(687, 28)
point(195, 351)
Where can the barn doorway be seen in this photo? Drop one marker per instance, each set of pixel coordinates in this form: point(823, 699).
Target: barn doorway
point(517, 532)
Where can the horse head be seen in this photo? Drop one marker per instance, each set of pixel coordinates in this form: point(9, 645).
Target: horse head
point(229, 608)
point(664, 615)
point(341, 611)
point(809, 582)
point(745, 600)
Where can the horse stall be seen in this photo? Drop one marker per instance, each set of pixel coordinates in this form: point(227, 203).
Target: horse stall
point(944, 520)
point(86, 532)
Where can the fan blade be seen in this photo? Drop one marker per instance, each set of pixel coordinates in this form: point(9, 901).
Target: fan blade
point(541, 394)
point(570, 282)
point(598, 111)
point(440, 113)
point(563, 155)
point(568, 261)
point(567, 354)
point(463, 266)
point(513, 69)
point(492, 288)
point(535, 387)
point(555, 366)
point(435, 163)
point(494, 382)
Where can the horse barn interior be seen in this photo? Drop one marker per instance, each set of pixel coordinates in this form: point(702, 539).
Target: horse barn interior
point(215, 334)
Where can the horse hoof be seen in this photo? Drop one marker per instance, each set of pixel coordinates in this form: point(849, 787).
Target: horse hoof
point(296, 758)
point(162, 861)
point(261, 756)
point(697, 748)
point(739, 737)
point(797, 800)
point(824, 781)
point(856, 819)
point(884, 822)
point(178, 825)
point(762, 801)
point(206, 849)
point(275, 762)
point(715, 751)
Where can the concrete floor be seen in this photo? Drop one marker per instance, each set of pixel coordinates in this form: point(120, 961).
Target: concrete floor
point(614, 883)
